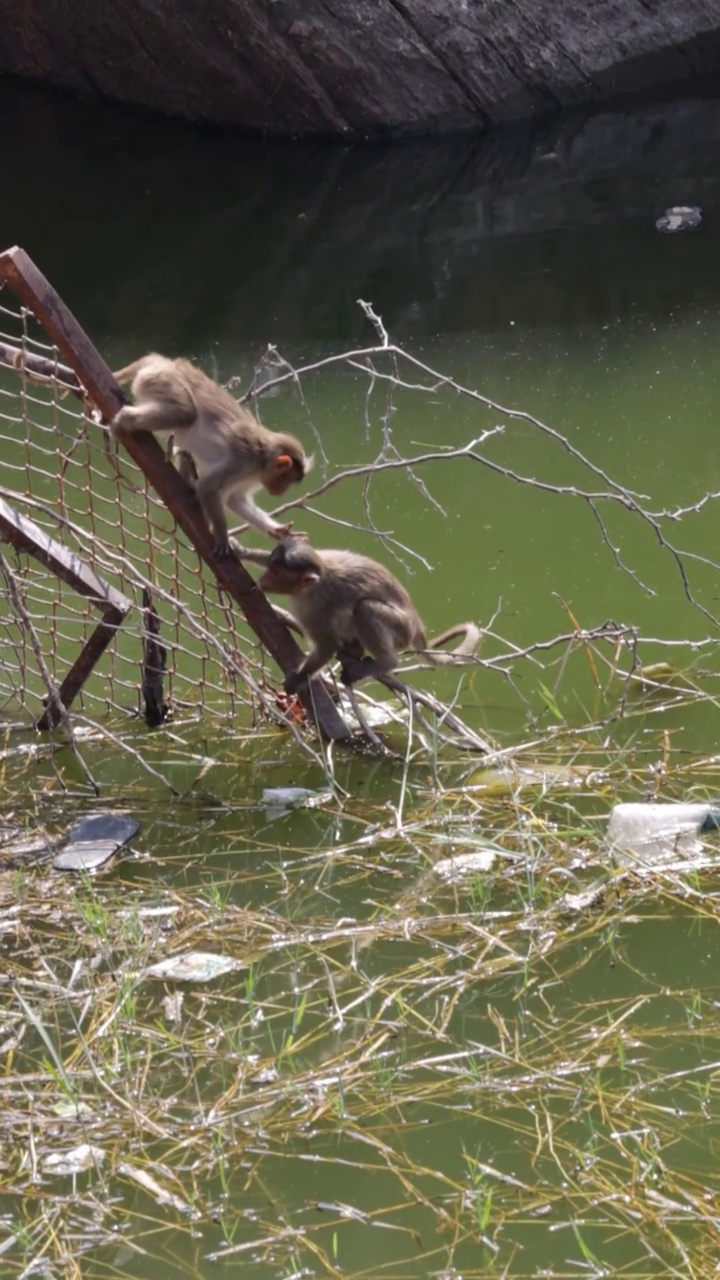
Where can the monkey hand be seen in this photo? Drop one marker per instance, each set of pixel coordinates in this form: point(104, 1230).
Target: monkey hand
point(116, 425)
point(124, 420)
point(285, 531)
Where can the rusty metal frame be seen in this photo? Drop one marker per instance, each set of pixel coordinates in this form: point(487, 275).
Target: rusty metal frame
point(19, 272)
point(39, 368)
point(22, 534)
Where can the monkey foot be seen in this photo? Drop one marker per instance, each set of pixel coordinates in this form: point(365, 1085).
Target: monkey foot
point(292, 682)
point(224, 550)
point(355, 669)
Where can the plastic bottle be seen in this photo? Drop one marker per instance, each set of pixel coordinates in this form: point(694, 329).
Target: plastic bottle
point(660, 829)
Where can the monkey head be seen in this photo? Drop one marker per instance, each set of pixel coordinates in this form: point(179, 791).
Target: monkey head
point(288, 464)
point(292, 567)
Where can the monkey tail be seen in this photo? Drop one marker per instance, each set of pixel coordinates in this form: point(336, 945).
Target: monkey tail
point(471, 636)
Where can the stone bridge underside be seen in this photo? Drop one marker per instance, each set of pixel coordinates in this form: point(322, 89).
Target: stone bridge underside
point(357, 68)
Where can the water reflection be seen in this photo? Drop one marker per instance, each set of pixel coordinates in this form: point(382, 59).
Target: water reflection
point(168, 236)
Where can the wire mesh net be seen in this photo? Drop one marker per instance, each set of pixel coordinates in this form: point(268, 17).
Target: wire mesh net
point(63, 472)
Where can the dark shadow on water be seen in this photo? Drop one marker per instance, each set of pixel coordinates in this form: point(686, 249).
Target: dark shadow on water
point(159, 234)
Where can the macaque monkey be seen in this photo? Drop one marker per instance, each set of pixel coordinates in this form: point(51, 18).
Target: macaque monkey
point(231, 453)
point(348, 606)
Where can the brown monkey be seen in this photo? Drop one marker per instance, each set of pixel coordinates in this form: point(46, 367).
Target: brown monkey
point(232, 452)
point(347, 604)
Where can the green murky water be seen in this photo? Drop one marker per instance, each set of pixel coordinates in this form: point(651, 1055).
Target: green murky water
point(513, 1130)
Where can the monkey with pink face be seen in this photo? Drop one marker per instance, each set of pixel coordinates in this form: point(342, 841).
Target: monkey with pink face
point(232, 454)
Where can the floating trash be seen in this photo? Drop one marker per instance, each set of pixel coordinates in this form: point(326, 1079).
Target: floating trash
point(75, 1161)
point(294, 797)
point(22, 847)
point(266, 1075)
point(375, 714)
point(680, 217)
point(68, 1110)
point(510, 778)
point(656, 832)
point(172, 1006)
point(465, 865)
point(660, 676)
point(572, 903)
point(194, 966)
point(153, 1187)
point(94, 840)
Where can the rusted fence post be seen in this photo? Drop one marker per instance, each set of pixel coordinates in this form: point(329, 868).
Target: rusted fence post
point(26, 536)
point(23, 277)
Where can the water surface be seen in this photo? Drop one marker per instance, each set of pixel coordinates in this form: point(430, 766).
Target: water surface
point(527, 267)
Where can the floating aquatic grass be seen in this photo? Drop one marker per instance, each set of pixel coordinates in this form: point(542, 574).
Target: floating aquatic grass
point(407, 1074)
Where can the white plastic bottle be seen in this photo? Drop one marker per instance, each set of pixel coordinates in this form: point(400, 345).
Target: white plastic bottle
point(659, 830)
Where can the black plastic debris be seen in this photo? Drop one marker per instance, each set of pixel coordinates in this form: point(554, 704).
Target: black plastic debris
point(92, 841)
point(681, 217)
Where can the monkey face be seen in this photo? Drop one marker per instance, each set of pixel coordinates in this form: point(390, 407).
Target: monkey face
point(283, 471)
point(277, 581)
point(292, 567)
point(280, 580)
point(277, 485)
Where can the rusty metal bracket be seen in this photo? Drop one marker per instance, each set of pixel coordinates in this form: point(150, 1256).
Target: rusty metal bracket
point(24, 278)
point(22, 534)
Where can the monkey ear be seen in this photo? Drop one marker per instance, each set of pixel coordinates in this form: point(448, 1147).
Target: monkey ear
point(283, 462)
point(307, 580)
